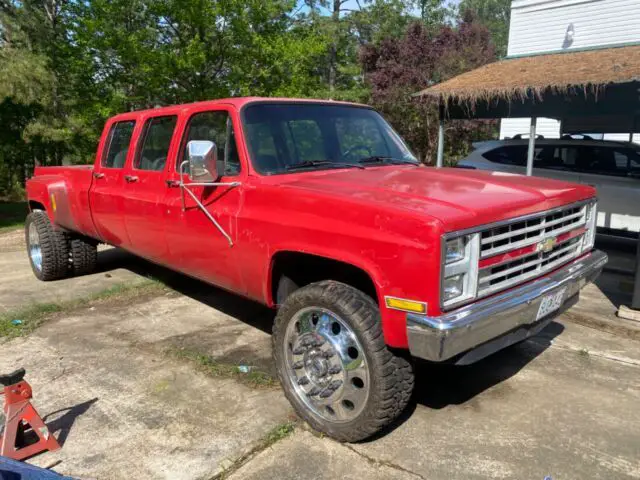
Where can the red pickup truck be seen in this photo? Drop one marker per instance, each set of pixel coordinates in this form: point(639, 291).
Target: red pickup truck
point(318, 209)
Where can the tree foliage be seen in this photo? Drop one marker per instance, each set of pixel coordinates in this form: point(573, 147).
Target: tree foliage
point(68, 65)
point(396, 69)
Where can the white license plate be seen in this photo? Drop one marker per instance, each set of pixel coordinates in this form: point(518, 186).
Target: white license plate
point(550, 303)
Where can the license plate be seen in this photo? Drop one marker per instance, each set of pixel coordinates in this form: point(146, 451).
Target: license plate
point(550, 303)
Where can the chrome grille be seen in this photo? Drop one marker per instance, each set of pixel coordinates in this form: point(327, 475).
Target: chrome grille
point(534, 229)
point(504, 275)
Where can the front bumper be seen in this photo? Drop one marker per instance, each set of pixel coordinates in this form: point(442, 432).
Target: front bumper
point(474, 331)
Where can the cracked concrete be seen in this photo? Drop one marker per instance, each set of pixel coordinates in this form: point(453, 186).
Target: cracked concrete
point(564, 404)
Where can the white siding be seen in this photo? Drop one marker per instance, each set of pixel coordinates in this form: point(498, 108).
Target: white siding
point(547, 127)
point(541, 25)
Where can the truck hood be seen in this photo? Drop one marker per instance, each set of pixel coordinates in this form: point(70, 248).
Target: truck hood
point(459, 198)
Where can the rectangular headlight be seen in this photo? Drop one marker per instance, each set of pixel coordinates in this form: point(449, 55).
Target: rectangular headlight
point(453, 287)
point(460, 258)
point(454, 250)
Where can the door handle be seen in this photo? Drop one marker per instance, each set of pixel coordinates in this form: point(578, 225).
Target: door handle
point(172, 183)
point(98, 175)
point(131, 178)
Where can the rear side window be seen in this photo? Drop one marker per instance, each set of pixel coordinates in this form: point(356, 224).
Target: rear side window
point(509, 155)
point(118, 144)
point(155, 144)
point(215, 126)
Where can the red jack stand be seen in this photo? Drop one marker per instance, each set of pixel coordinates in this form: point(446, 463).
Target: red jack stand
point(20, 417)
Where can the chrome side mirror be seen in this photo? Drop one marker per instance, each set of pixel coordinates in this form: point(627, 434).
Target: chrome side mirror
point(202, 156)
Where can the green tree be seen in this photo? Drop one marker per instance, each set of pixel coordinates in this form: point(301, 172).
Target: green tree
point(495, 15)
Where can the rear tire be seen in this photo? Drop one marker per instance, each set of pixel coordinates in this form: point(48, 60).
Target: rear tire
point(84, 255)
point(333, 363)
point(47, 247)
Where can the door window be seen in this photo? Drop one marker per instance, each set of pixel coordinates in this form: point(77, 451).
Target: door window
point(156, 140)
point(118, 144)
point(217, 127)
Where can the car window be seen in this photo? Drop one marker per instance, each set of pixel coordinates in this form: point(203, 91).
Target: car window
point(604, 161)
point(284, 137)
point(156, 140)
point(118, 144)
point(360, 136)
point(512, 155)
point(214, 126)
point(304, 140)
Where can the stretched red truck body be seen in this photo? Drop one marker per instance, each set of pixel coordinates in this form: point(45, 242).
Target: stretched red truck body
point(318, 208)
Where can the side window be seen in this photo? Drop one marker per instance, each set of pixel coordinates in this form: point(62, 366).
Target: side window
point(152, 155)
point(216, 127)
point(606, 161)
point(118, 144)
point(509, 155)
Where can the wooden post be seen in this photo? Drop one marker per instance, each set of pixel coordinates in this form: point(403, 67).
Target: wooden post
point(532, 146)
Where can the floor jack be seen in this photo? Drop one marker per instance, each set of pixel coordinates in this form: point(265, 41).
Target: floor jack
point(22, 420)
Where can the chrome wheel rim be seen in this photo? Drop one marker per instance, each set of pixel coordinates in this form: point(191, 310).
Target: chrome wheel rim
point(35, 251)
point(326, 365)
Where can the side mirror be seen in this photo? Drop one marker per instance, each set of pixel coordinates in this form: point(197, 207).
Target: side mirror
point(202, 156)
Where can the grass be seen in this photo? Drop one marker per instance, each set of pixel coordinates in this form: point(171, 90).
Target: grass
point(209, 365)
point(583, 352)
point(32, 316)
point(277, 433)
point(12, 215)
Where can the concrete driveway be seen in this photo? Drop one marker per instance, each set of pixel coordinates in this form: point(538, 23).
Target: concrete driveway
point(145, 384)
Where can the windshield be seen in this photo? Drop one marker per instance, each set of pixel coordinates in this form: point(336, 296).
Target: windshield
point(295, 137)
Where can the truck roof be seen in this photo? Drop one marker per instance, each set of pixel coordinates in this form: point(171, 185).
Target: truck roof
point(237, 102)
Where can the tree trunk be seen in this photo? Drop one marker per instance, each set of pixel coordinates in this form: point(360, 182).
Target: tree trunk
point(333, 49)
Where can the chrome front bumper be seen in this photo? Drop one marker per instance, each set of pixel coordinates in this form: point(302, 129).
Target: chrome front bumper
point(483, 327)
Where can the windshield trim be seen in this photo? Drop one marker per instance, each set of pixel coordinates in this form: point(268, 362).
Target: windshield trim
point(303, 102)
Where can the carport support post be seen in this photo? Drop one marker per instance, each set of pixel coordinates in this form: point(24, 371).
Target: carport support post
point(635, 301)
point(532, 146)
point(440, 157)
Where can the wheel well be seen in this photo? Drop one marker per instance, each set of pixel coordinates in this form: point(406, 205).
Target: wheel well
point(295, 270)
point(33, 205)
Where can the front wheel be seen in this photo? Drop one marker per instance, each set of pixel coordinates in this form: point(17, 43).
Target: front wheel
point(333, 364)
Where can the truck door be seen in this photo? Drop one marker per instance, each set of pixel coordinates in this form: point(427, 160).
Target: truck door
point(105, 194)
point(144, 188)
point(197, 247)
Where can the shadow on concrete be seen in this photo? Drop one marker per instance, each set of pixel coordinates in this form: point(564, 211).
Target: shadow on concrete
point(63, 423)
point(437, 385)
point(245, 310)
point(441, 385)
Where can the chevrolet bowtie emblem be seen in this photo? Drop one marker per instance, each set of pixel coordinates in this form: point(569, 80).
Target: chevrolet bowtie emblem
point(547, 245)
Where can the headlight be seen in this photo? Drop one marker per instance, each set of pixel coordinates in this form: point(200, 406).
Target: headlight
point(454, 250)
point(453, 287)
point(589, 239)
point(460, 269)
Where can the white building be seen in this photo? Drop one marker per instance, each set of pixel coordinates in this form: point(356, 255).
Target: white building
point(546, 26)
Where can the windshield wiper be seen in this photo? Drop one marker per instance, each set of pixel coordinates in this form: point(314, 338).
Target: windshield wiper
point(320, 163)
point(387, 160)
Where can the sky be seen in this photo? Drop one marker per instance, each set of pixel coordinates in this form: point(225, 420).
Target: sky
point(353, 4)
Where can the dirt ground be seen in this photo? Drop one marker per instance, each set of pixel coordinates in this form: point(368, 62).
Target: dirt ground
point(146, 386)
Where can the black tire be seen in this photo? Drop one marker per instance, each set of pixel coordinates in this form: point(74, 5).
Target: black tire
point(54, 248)
point(84, 255)
point(391, 376)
